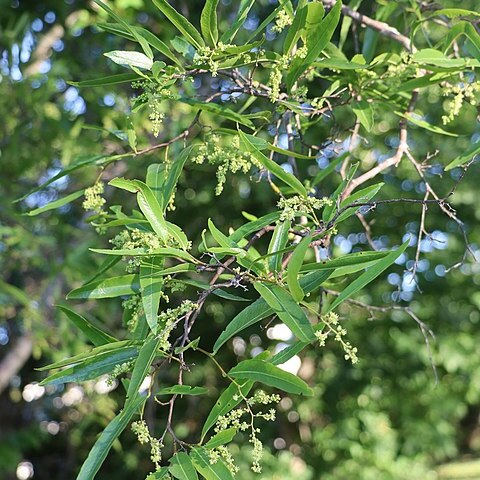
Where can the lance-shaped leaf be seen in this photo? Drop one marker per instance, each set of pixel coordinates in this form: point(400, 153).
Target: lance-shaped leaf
point(208, 22)
point(254, 226)
point(465, 157)
point(104, 443)
point(130, 59)
point(271, 375)
point(259, 309)
point(362, 196)
point(221, 438)
point(93, 333)
point(93, 367)
point(162, 178)
point(151, 289)
point(107, 288)
point(371, 274)
point(229, 399)
point(182, 390)
point(144, 252)
point(328, 170)
point(144, 360)
point(182, 24)
point(315, 44)
point(273, 167)
point(287, 309)
point(364, 113)
point(181, 467)
point(148, 204)
point(108, 80)
point(210, 471)
point(427, 126)
point(294, 266)
point(348, 260)
point(56, 203)
point(243, 9)
point(277, 243)
point(295, 29)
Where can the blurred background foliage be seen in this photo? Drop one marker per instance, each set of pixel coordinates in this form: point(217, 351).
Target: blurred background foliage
point(387, 417)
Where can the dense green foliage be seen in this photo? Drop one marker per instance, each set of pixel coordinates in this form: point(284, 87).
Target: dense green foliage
point(261, 215)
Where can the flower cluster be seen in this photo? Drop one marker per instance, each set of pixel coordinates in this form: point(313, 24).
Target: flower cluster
point(224, 453)
point(235, 419)
point(459, 94)
point(205, 55)
point(229, 157)
point(168, 319)
point(140, 429)
point(94, 202)
point(134, 303)
point(118, 370)
point(282, 21)
point(153, 95)
point(135, 238)
point(330, 320)
point(298, 205)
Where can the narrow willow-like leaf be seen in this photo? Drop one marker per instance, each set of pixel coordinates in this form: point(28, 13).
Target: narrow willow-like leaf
point(254, 226)
point(220, 110)
point(268, 20)
point(107, 288)
point(315, 44)
point(148, 204)
point(102, 446)
point(288, 352)
point(142, 252)
point(181, 467)
point(328, 170)
point(229, 399)
point(151, 289)
point(364, 113)
point(182, 24)
point(427, 126)
point(182, 390)
point(141, 368)
point(56, 204)
point(130, 59)
point(295, 29)
point(362, 196)
point(273, 167)
point(259, 309)
point(288, 310)
point(278, 241)
point(269, 374)
point(108, 80)
point(210, 471)
point(464, 157)
point(371, 274)
point(94, 367)
point(218, 292)
point(93, 333)
point(294, 266)
point(359, 258)
point(221, 438)
point(208, 22)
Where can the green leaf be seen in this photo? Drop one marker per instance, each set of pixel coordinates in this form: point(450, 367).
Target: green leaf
point(102, 446)
point(259, 309)
point(159, 474)
point(181, 467)
point(287, 309)
point(464, 158)
point(107, 288)
point(220, 110)
point(364, 113)
point(215, 471)
point(295, 29)
point(221, 438)
point(130, 59)
point(469, 31)
point(315, 44)
point(254, 226)
point(56, 204)
point(93, 367)
point(148, 204)
point(362, 196)
point(294, 266)
point(218, 292)
point(229, 399)
point(146, 355)
point(288, 352)
point(423, 124)
point(243, 9)
point(93, 333)
point(371, 274)
point(359, 258)
point(208, 22)
point(108, 80)
point(162, 178)
point(182, 24)
point(455, 12)
point(268, 19)
point(278, 241)
point(182, 390)
point(328, 170)
point(143, 252)
point(151, 290)
point(273, 167)
point(271, 375)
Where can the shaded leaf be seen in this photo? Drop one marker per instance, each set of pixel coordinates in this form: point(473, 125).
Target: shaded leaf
point(107, 288)
point(294, 266)
point(182, 390)
point(56, 204)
